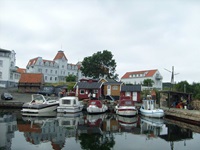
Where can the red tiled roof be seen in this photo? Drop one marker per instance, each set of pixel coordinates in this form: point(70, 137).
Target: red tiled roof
point(60, 55)
point(32, 61)
point(31, 78)
point(21, 70)
point(149, 73)
point(50, 61)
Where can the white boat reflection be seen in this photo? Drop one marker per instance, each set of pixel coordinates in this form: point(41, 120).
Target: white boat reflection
point(95, 120)
point(70, 120)
point(151, 127)
point(127, 121)
point(42, 114)
point(39, 130)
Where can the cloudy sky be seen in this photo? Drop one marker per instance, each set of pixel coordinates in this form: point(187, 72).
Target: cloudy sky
point(141, 34)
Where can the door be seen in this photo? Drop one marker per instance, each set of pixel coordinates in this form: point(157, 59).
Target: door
point(108, 89)
point(134, 96)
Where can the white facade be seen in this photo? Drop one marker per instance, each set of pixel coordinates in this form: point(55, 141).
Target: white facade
point(8, 71)
point(138, 77)
point(54, 70)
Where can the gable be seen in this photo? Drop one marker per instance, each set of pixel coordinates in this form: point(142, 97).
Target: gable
point(32, 61)
point(60, 55)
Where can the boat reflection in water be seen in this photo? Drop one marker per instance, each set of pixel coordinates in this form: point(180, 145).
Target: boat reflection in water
point(151, 127)
point(93, 134)
point(127, 124)
point(95, 131)
point(48, 129)
point(8, 125)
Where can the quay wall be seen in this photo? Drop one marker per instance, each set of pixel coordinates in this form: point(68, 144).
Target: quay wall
point(190, 116)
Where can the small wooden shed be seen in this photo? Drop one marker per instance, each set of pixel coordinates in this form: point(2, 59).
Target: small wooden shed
point(30, 82)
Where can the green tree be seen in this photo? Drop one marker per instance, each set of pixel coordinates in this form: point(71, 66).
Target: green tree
point(148, 82)
point(183, 86)
point(196, 90)
point(99, 65)
point(70, 78)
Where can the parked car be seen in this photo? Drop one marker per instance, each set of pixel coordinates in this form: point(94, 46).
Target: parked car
point(6, 96)
point(47, 90)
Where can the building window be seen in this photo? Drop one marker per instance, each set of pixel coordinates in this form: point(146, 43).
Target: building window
point(46, 70)
point(115, 87)
point(82, 91)
point(11, 76)
point(50, 78)
point(39, 70)
point(55, 78)
point(55, 71)
point(51, 71)
point(0, 75)
point(45, 78)
point(95, 91)
point(1, 63)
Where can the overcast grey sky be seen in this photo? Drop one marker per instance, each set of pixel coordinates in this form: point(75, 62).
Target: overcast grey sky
point(141, 34)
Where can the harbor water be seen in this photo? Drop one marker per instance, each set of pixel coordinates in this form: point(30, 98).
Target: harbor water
point(82, 131)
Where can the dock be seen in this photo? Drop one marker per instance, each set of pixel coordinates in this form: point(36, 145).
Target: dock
point(185, 115)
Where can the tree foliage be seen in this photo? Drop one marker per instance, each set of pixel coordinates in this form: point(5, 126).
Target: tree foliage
point(148, 82)
point(70, 78)
point(193, 88)
point(99, 65)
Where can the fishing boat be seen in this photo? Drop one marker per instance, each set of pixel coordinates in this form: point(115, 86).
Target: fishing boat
point(40, 104)
point(96, 106)
point(69, 104)
point(126, 107)
point(149, 109)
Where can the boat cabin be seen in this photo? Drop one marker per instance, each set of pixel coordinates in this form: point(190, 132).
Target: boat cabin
point(149, 104)
point(69, 101)
point(126, 102)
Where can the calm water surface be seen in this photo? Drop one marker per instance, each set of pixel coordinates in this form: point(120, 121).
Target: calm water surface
point(93, 132)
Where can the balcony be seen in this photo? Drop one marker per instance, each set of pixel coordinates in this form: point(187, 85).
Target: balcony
point(13, 69)
point(158, 77)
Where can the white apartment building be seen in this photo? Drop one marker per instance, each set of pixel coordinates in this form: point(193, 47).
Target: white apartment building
point(137, 77)
point(54, 70)
point(9, 76)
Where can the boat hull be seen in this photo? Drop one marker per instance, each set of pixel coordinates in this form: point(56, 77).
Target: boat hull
point(157, 113)
point(31, 108)
point(126, 111)
point(63, 109)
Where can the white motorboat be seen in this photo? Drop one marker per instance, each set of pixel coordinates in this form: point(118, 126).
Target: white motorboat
point(40, 104)
point(126, 107)
point(149, 109)
point(69, 104)
point(96, 106)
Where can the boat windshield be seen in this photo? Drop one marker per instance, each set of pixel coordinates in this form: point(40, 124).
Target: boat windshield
point(126, 103)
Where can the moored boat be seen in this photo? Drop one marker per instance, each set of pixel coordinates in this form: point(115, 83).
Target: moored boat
point(40, 104)
point(126, 107)
point(96, 106)
point(149, 109)
point(69, 104)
